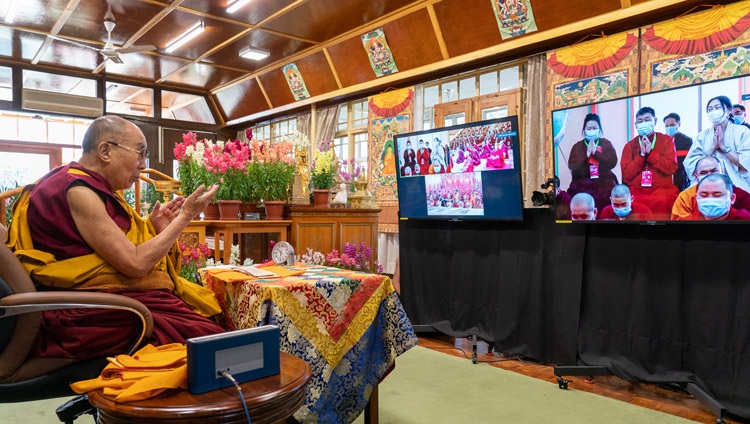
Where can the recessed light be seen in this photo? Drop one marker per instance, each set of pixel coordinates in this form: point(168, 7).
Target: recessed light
point(254, 54)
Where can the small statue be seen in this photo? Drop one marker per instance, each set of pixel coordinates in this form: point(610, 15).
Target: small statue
point(303, 169)
point(340, 199)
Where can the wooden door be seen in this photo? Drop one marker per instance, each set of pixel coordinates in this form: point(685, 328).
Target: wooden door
point(453, 113)
point(498, 105)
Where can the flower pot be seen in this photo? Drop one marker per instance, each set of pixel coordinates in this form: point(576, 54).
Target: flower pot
point(274, 209)
point(249, 207)
point(322, 198)
point(211, 212)
point(229, 209)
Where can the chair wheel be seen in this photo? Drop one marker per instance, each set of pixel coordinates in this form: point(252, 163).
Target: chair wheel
point(562, 383)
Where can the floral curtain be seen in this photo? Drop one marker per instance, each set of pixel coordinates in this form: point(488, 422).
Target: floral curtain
point(303, 125)
point(700, 32)
point(535, 159)
point(326, 129)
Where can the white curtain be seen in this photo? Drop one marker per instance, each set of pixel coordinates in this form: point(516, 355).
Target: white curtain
point(534, 142)
point(388, 251)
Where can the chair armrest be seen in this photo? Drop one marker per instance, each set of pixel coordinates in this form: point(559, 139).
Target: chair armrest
point(21, 303)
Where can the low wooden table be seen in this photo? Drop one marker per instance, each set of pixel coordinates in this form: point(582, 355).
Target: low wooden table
point(270, 400)
point(228, 229)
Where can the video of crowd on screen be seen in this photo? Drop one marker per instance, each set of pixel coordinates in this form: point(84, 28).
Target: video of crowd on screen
point(482, 148)
point(454, 194)
point(677, 155)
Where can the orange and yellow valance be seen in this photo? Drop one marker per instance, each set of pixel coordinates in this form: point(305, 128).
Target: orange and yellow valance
point(591, 58)
point(391, 103)
point(700, 32)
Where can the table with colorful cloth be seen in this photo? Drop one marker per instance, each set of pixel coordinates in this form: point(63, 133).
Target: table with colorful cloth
point(349, 326)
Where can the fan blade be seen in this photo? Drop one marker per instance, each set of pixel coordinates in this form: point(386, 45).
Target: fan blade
point(54, 37)
point(113, 56)
point(133, 49)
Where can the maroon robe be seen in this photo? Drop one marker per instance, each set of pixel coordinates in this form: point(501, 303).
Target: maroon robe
point(91, 333)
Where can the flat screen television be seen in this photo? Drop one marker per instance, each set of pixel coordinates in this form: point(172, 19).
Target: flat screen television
point(655, 178)
point(463, 172)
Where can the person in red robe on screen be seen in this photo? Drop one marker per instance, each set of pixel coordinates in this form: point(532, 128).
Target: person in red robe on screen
point(715, 199)
point(648, 162)
point(623, 208)
point(91, 239)
point(591, 161)
point(686, 204)
point(424, 159)
point(497, 158)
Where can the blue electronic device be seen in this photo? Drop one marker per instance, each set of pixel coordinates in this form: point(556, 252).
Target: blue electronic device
point(246, 355)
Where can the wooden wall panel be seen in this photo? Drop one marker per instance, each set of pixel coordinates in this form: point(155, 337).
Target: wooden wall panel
point(413, 41)
point(554, 13)
point(350, 60)
point(467, 25)
point(277, 87)
point(317, 74)
point(241, 100)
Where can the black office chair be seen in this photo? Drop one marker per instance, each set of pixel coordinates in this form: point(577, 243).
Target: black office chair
point(24, 377)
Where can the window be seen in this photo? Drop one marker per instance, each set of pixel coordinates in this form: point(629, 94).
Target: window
point(185, 107)
point(275, 131)
point(282, 128)
point(466, 86)
point(6, 83)
point(130, 100)
point(351, 138)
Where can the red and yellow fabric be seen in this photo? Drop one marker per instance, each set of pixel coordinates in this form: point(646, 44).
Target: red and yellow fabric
point(391, 103)
point(592, 58)
point(700, 32)
point(332, 319)
point(348, 326)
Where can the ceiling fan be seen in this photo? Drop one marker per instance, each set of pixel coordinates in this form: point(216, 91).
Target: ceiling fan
point(109, 51)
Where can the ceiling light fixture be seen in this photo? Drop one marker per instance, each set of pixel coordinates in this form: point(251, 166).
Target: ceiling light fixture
point(10, 14)
point(185, 37)
point(254, 54)
point(236, 5)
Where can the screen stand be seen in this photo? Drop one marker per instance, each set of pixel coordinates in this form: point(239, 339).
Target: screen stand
point(587, 370)
point(712, 404)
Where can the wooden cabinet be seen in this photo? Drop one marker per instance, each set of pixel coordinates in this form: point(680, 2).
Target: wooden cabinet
point(326, 229)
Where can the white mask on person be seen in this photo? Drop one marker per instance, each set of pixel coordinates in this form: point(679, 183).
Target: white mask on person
point(717, 116)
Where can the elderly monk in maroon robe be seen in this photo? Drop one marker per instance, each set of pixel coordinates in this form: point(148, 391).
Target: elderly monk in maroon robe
point(73, 230)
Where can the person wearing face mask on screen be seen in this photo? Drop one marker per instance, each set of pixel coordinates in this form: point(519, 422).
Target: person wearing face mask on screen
point(682, 144)
point(727, 142)
point(715, 199)
point(648, 163)
point(591, 161)
point(623, 207)
point(738, 115)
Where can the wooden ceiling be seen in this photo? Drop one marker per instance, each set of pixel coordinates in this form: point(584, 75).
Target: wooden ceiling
point(322, 37)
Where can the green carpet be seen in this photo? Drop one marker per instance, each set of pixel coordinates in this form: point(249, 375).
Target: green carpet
point(432, 387)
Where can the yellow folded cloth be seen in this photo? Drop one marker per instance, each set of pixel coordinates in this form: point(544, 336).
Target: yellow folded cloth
point(149, 372)
point(229, 275)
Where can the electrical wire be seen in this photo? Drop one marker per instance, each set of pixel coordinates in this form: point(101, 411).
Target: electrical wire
point(229, 377)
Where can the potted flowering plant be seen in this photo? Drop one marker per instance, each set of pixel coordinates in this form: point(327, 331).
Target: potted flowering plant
point(323, 174)
point(191, 169)
point(227, 161)
point(270, 171)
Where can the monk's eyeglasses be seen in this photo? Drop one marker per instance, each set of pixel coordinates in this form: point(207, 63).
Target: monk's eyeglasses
point(142, 153)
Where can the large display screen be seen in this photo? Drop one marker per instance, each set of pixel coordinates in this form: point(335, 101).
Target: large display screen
point(652, 158)
point(468, 171)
